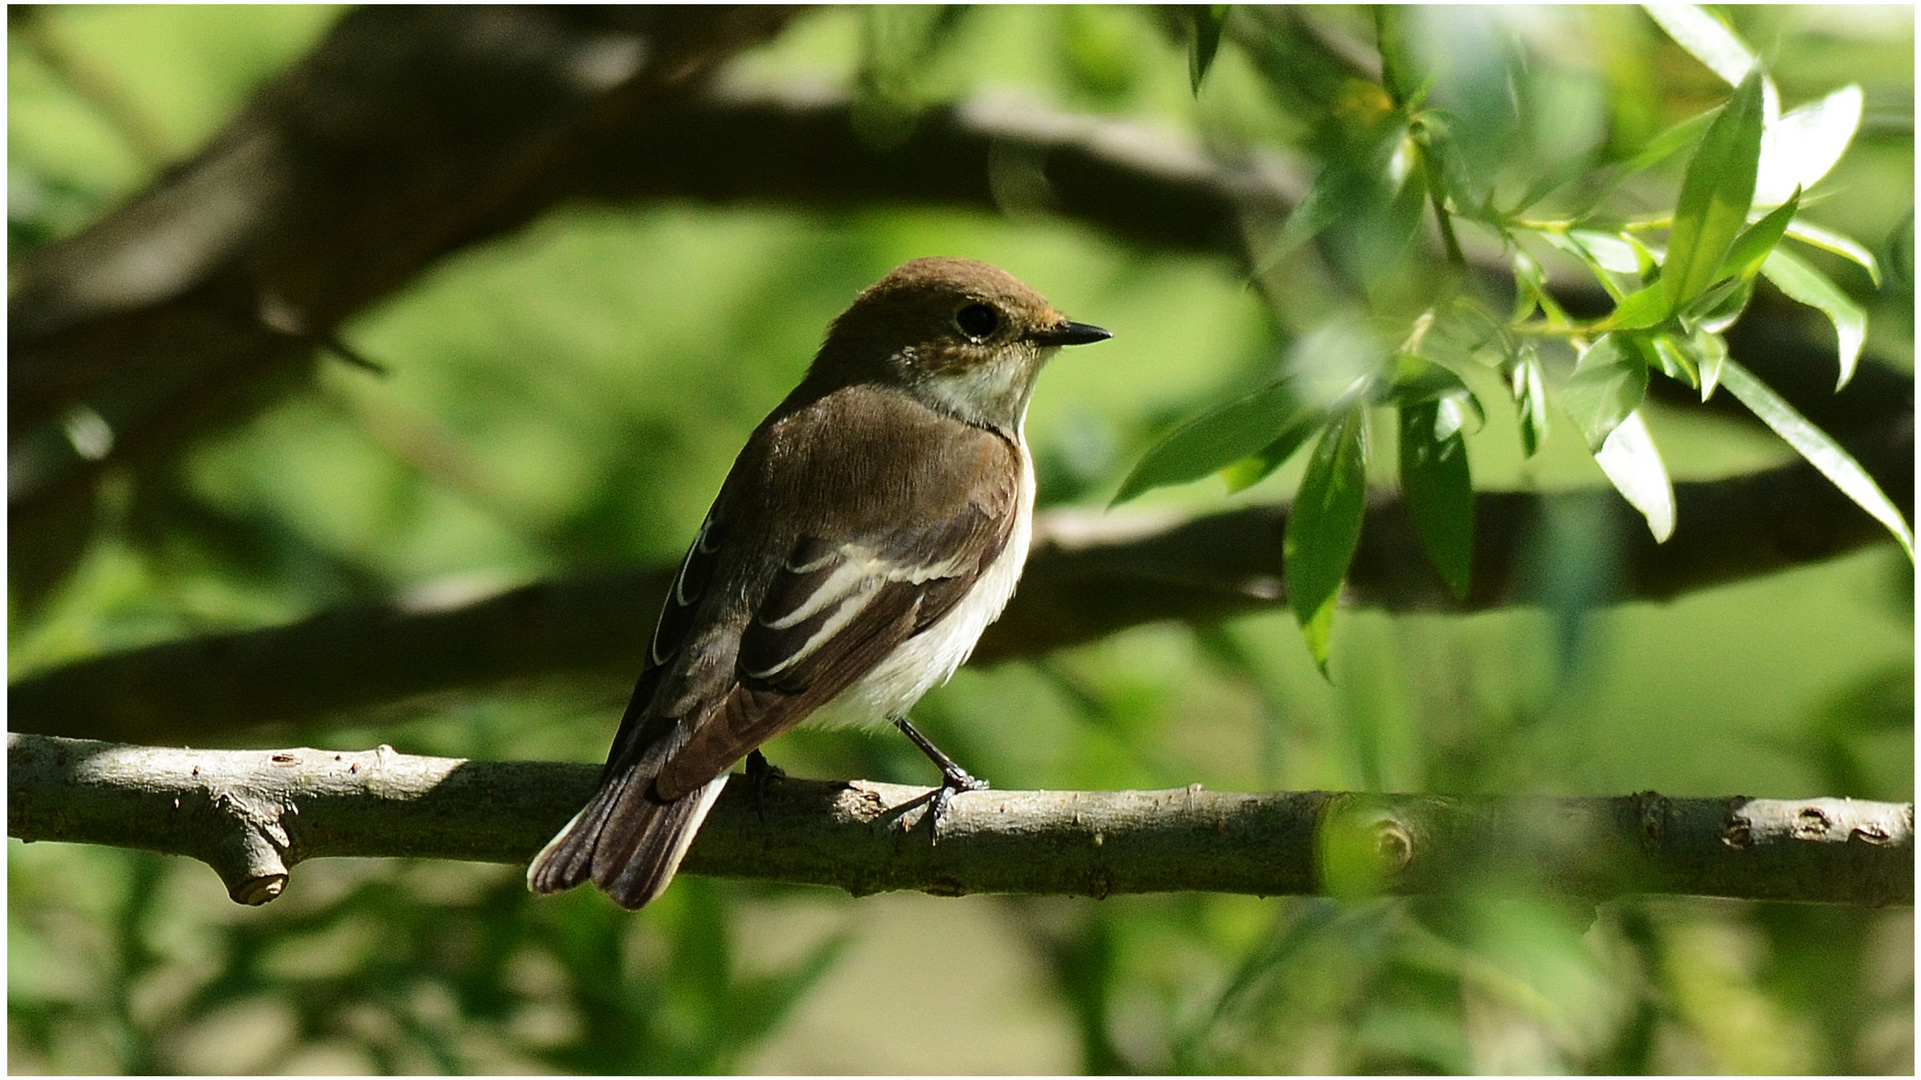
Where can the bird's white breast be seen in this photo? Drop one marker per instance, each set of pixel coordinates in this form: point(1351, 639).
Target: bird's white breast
point(930, 657)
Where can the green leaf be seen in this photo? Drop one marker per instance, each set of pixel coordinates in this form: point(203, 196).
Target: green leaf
point(1606, 388)
point(1710, 352)
point(1809, 286)
point(1668, 143)
point(1633, 466)
point(1530, 398)
point(1324, 526)
point(1672, 357)
point(1716, 309)
point(1437, 489)
point(1802, 146)
point(1418, 380)
point(1821, 451)
point(1751, 248)
point(1216, 439)
point(1715, 196)
point(1640, 310)
point(1208, 20)
point(1705, 39)
point(1255, 467)
point(1828, 240)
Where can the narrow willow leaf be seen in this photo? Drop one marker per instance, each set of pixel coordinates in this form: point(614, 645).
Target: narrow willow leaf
point(1669, 142)
point(1640, 310)
point(1418, 380)
point(1821, 451)
point(1710, 351)
point(1599, 267)
point(1715, 196)
point(1606, 388)
point(1633, 466)
point(1530, 284)
point(1716, 309)
point(1437, 490)
point(1811, 287)
point(1802, 146)
point(1829, 240)
point(1673, 358)
point(1612, 250)
point(1705, 39)
point(1751, 248)
point(1530, 399)
point(1255, 467)
point(1324, 526)
point(1208, 20)
point(1215, 439)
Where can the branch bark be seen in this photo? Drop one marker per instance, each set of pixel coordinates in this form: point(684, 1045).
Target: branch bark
point(253, 815)
point(407, 134)
point(1089, 575)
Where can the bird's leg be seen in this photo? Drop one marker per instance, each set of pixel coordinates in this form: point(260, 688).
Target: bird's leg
point(953, 778)
point(760, 773)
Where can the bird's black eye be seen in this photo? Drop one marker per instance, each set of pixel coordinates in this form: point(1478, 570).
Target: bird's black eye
point(977, 321)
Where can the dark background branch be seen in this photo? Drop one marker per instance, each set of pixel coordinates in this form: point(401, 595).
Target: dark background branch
point(1089, 575)
point(411, 133)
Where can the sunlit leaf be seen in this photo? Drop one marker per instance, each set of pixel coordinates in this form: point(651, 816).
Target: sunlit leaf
point(1607, 386)
point(1610, 250)
point(1437, 489)
point(1216, 439)
point(1634, 467)
point(1418, 381)
point(1715, 196)
point(1672, 356)
point(1815, 445)
point(1751, 248)
point(1668, 143)
point(1640, 310)
point(1208, 20)
point(1530, 284)
point(1705, 39)
point(1710, 352)
point(1530, 398)
point(1829, 240)
point(1324, 526)
point(1802, 146)
point(1716, 309)
point(1811, 287)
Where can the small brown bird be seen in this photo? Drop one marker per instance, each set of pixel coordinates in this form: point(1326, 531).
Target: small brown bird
point(872, 527)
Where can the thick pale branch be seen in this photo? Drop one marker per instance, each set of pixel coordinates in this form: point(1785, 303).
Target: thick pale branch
point(1089, 575)
point(253, 815)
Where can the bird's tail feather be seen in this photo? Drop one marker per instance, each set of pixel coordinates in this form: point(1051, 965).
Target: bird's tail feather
point(628, 843)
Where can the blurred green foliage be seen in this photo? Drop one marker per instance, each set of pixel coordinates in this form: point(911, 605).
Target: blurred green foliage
point(572, 395)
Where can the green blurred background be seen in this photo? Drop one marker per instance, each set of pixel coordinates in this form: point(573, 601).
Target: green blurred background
point(571, 397)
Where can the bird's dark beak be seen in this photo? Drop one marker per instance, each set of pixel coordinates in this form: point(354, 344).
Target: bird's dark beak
point(1070, 333)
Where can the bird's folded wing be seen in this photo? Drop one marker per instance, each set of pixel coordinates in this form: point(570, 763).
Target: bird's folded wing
point(835, 609)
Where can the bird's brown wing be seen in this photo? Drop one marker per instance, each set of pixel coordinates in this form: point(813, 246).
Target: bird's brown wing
point(836, 608)
point(871, 553)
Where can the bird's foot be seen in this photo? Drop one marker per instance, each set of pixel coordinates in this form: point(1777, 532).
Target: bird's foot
point(760, 773)
point(953, 777)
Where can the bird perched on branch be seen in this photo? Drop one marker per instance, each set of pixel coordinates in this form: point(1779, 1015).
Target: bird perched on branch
point(873, 526)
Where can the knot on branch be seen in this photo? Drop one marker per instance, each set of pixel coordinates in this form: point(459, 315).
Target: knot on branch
point(247, 847)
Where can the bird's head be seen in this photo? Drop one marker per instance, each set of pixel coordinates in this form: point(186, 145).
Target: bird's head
point(962, 336)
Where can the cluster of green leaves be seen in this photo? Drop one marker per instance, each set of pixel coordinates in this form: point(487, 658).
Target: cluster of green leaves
point(1398, 156)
